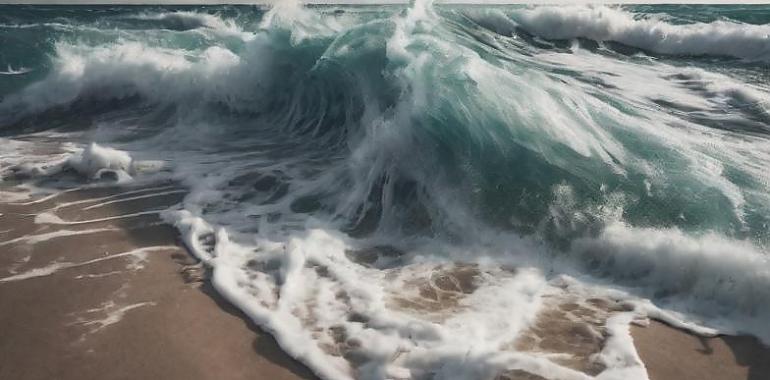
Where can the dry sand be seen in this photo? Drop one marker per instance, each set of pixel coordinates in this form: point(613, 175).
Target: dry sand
point(72, 307)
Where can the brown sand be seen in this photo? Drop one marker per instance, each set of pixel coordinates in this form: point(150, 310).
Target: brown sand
point(671, 354)
point(57, 326)
point(577, 329)
point(169, 324)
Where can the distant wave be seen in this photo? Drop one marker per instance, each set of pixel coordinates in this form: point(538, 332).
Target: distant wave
point(183, 21)
point(602, 23)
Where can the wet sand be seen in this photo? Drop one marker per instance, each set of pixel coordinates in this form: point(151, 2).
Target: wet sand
point(671, 354)
point(577, 329)
point(79, 301)
point(106, 316)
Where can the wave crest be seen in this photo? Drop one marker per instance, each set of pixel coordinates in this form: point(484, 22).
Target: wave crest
point(602, 23)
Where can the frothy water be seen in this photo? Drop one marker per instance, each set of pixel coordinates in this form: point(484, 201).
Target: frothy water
point(410, 192)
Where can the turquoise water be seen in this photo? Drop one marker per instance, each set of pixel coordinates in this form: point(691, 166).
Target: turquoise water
point(626, 144)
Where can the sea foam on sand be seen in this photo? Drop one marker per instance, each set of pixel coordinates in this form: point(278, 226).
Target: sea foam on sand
point(96, 161)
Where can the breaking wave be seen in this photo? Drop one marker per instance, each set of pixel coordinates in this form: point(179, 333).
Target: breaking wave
point(651, 33)
point(397, 192)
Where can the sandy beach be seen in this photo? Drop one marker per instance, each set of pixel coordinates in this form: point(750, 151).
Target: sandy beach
point(95, 312)
point(105, 293)
point(429, 190)
point(672, 354)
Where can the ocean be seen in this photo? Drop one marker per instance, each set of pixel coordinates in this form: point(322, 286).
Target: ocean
point(399, 191)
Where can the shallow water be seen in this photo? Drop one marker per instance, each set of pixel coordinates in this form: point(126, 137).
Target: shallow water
point(410, 191)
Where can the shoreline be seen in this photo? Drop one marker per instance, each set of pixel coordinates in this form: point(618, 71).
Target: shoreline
point(111, 300)
point(124, 298)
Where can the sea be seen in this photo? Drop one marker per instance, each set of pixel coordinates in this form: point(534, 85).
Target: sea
point(401, 191)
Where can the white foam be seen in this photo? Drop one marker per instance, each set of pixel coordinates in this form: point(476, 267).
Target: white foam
point(95, 160)
point(37, 272)
point(12, 71)
point(13, 196)
point(51, 218)
point(96, 275)
point(114, 313)
point(723, 281)
point(24, 158)
point(136, 256)
point(603, 23)
point(618, 353)
point(35, 239)
point(137, 193)
point(393, 343)
point(133, 198)
point(280, 287)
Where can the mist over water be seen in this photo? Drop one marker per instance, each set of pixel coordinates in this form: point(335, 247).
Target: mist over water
point(343, 159)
